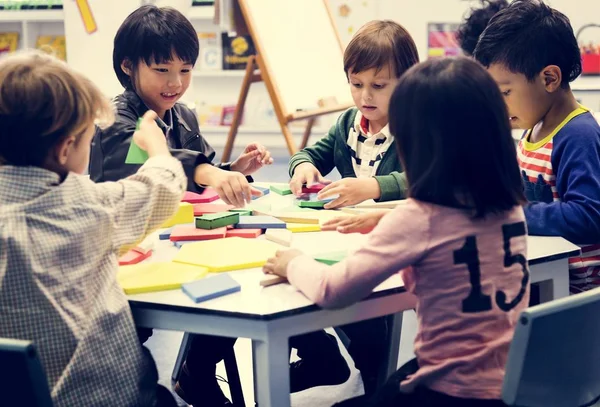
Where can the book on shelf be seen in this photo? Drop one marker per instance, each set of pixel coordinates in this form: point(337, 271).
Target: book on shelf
point(53, 44)
point(8, 42)
point(31, 4)
point(237, 49)
point(203, 2)
point(210, 58)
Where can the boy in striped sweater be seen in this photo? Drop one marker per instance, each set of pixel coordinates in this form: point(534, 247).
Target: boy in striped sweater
point(531, 51)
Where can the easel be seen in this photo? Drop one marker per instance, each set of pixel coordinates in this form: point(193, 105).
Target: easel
point(257, 71)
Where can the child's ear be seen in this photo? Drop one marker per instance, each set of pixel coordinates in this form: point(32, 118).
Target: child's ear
point(127, 67)
point(552, 78)
point(63, 149)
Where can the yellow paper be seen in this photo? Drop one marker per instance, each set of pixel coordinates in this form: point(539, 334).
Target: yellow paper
point(303, 227)
point(149, 277)
point(185, 214)
point(233, 253)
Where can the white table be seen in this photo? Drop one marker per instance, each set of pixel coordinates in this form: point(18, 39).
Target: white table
point(270, 316)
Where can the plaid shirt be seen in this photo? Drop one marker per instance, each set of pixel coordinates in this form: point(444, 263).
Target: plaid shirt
point(58, 263)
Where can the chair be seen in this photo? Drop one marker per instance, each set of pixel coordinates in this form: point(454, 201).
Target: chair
point(231, 368)
point(554, 357)
point(22, 378)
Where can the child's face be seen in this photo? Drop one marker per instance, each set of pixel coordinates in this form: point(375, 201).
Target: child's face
point(161, 85)
point(527, 101)
point(372, 91)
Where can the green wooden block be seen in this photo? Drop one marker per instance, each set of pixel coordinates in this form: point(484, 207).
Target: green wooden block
point(311, 201)
point(331, 258)
point(242, 212)
point(136, 155)
point(217, 220)
point(281, 189)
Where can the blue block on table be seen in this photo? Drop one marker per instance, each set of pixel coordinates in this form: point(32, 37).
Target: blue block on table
point(264, 191)
point(180, 243)
point(165, 234)
point(211, 287)
point(260, 222)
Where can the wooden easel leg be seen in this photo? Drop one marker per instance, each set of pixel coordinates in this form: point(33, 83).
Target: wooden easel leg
point(289, 139)
point(239, 109)
point(309, 126)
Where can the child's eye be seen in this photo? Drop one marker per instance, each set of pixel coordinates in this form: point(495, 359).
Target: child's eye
point(186, 70)
point(378, 86)
point(161, 69)
point(506, 92)
point(357, 85)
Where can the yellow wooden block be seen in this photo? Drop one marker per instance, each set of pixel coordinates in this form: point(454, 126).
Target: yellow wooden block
point(155, 276)
point(303, 227)
point(233, 253)
point(185, 214)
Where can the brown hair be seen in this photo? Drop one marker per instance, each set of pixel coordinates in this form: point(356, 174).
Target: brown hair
point(42, 101)
point(378, 44)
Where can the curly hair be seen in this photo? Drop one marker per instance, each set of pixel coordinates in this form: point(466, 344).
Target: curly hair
point(472, 27)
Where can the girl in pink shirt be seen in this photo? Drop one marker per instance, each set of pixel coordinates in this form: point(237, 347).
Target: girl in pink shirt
point(459, 241)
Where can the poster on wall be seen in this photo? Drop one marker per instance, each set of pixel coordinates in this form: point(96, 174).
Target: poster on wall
point(441, 40)
point(588, 38)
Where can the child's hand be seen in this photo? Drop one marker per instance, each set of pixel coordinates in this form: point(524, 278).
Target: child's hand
point(254, 157)
point(363, 223)
point(233, 187)
point(306, 173)
point(278, 264)
point(351, 191)
point(149, 137)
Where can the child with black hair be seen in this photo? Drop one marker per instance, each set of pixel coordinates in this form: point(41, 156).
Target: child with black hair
point(155, 50)
point(532, 53)
point(459, 240)
point(472, 27)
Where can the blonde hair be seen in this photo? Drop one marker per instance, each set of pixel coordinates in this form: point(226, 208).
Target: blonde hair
point(43, 101)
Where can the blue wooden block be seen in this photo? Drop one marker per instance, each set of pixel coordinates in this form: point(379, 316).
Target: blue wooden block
point(260, 222)
point(265, 191)
point(180, 243)
point(211, 287)
point(165, 234)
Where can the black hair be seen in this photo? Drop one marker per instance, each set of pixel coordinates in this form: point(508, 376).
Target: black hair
point(152, 34)
point(452, 133)
point(470, 30)
point(527, 36)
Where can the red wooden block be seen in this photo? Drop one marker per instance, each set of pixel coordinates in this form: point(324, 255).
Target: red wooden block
point(189, 232)
point(134, 256)
point(313, 189)
point(245, 233)
point(208, 195)
point(203, 208)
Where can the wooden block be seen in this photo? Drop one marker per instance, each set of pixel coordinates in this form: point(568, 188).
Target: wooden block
point(281, 236)
point(134, 256)
point(272, 280)
point(281, 189)
point(259, 209)
point(155, 276)
point(245, 233)
point(190, 232)
point(216, 220)
point(178, 244)
point(165, 234)
point(303, 227)
point(311, 201)
point(265, 191)
point(185, 214)
point(234, 253)
point(331, 258)
point(242, 212)
point(313, 188)
point(201, 209)
point(259, 222)
point(212, 287)
point(208, 195)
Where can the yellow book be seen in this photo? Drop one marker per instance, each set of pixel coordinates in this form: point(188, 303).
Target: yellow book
point(303, 227)
point(233, 253)
point(53, 44)
point(8, 42)
point(149, 277)
point(185, 214)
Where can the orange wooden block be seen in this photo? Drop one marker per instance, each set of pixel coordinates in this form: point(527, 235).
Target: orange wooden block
point(134, 256)
point(245, 233)
point(208, 195)
point(204, 208)
point(189, 232)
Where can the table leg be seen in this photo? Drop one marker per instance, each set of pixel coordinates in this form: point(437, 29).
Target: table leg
point(558, 284)
point(393, 348)
point(271, 372)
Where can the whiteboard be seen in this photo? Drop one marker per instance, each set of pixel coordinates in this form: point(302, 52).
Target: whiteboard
point(300, 51)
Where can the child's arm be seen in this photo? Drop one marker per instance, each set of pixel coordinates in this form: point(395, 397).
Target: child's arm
point(363, 223)
point(320, 154)
point(386, 252)
point(142, 202)
point(577, 216)
point(393, 186)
